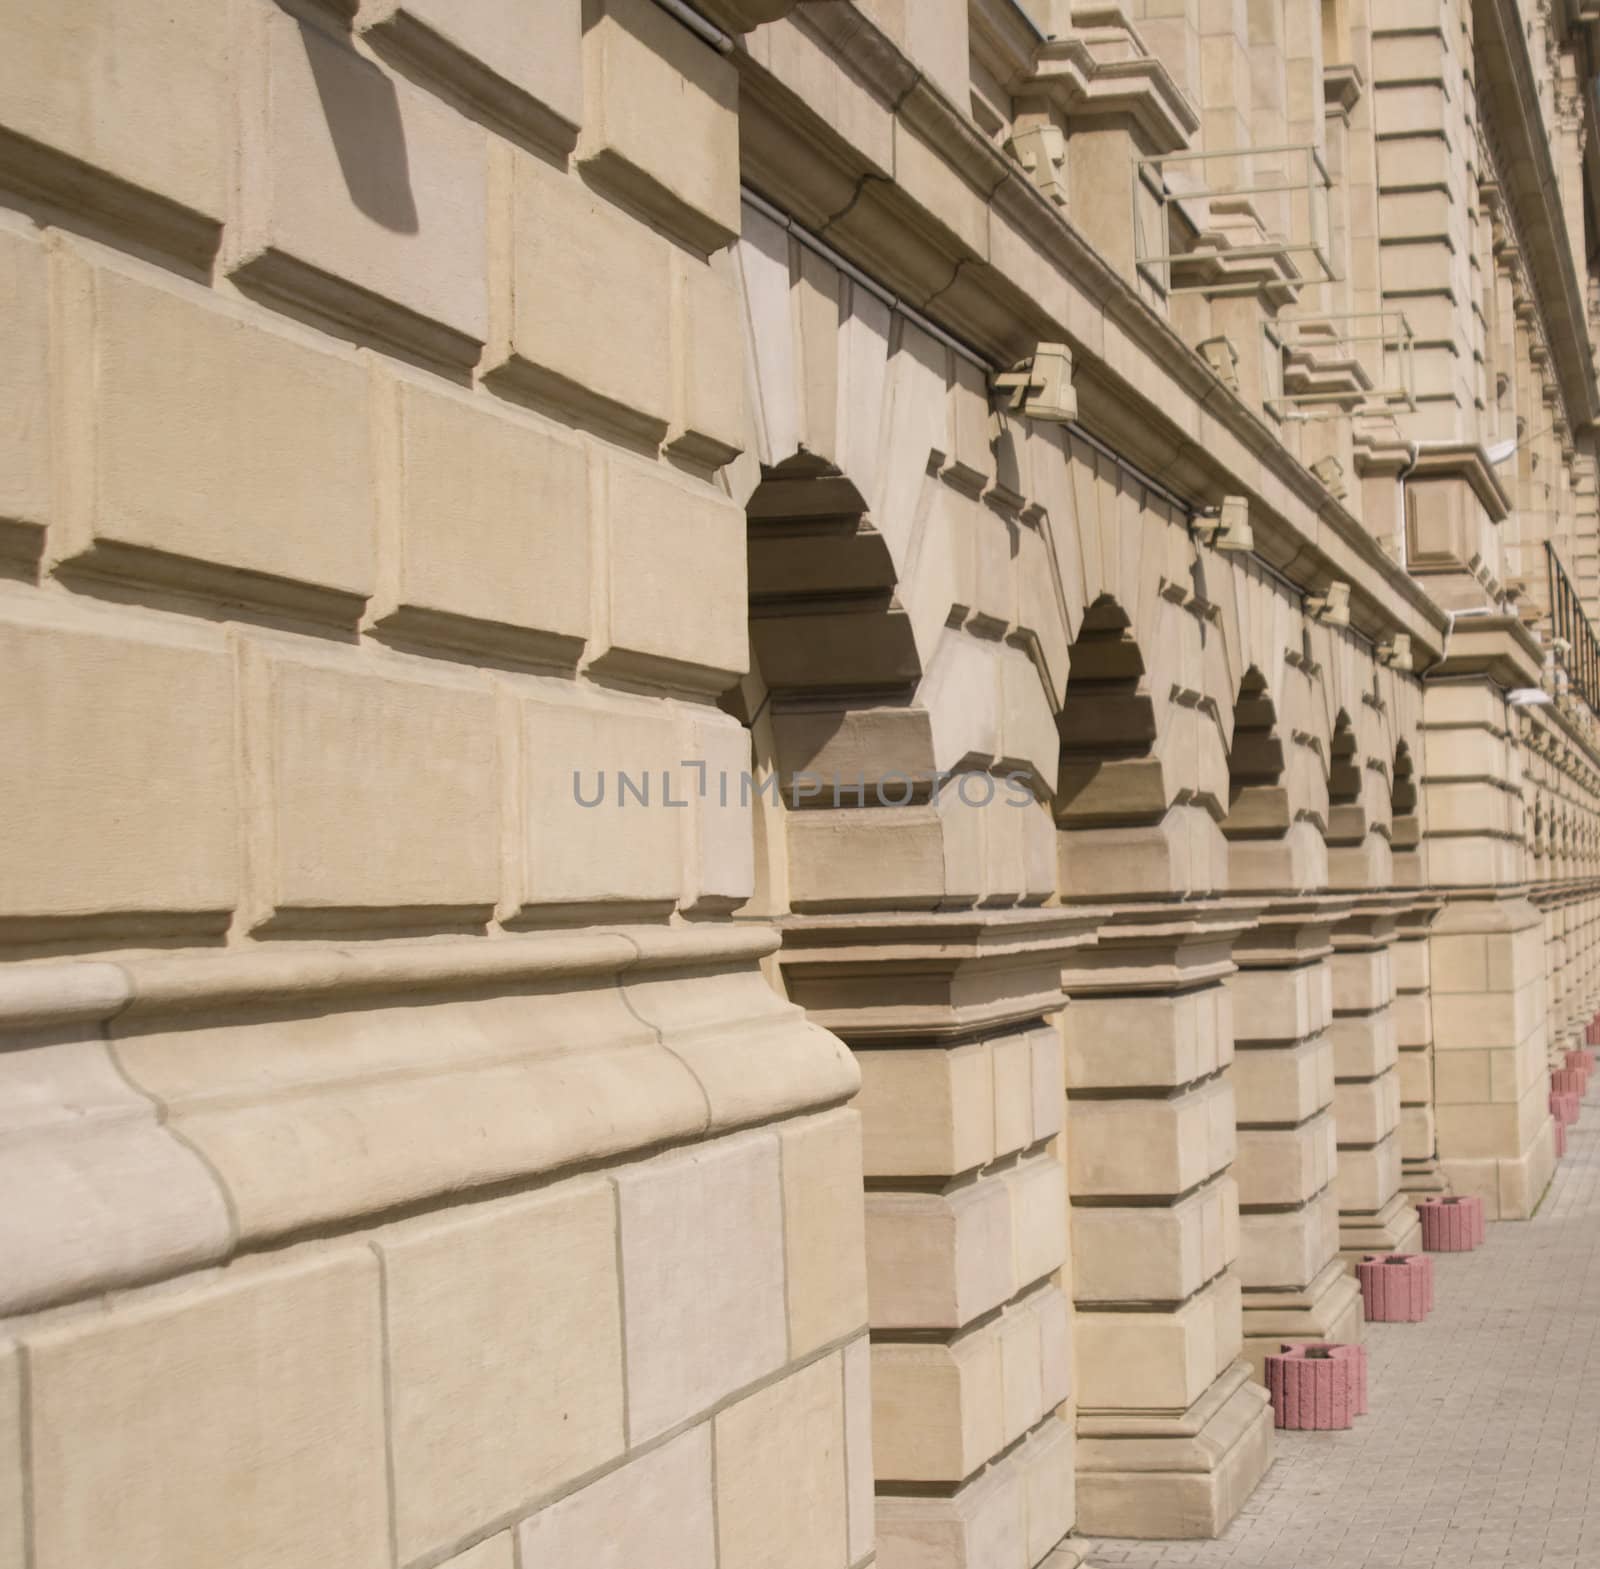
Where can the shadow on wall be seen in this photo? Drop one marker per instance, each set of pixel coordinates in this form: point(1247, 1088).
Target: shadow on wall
point(363, 116)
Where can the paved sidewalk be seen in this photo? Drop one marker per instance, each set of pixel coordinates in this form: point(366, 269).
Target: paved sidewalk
point(1481, 1447)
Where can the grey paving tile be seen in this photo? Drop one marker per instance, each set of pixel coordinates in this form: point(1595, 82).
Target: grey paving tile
point(1482, 1449)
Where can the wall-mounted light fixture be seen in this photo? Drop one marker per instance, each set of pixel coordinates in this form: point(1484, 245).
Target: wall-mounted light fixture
point(1041, 386)
point(1228, 528)
point(1396, 654)
point(1333, 608)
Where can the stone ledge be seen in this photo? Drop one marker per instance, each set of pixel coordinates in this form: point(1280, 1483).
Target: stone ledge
point(244, 1098)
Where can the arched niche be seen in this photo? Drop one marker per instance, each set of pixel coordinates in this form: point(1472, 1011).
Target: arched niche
point(1132, 826)
point(1275, 841)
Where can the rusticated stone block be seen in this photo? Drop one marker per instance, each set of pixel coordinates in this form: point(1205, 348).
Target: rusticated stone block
point(1452, 1224)
point(491, 545)
point(590, 843)
point(117, 771)
point(191, 402)
point(935, 1260)
point(673, 540)
point(120, 114)
point(1312, 1387)
point(824, 1229)
point(702, 1269)
point(1396, 1287)
point(364, 197)
point(660, 120)
point(565, 247)
point(384, 801)
point(780, 1470)
point(537, 1400)
point(263, 1391)
point(25, 419)
point(656, 1509)
point(518, 61)
point(13, 1549)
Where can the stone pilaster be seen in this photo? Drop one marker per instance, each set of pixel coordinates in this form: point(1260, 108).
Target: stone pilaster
point(1487, 956)
point(1294, 1283)
point(1373, 1214)
point(1413, 1021)
point(950, 1017)
point(1172, 1434)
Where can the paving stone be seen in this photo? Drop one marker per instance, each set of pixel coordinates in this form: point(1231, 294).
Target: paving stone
point(1483, 1442)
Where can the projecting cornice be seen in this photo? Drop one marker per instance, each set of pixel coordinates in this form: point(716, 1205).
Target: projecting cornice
point(1022, 272)
point(1509, 94)
point(740, 16)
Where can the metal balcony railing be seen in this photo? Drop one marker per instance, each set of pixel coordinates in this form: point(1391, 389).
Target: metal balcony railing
point(1342, 363)
point(1296, 180)
point(1581, 660)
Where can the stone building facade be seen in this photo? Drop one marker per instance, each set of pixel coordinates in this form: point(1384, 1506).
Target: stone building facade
point(760, 777)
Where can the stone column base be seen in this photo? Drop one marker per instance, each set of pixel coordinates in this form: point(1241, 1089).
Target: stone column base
point(1422, 1179)
point(1328, 1309)
point(1392, 1229)
point(1179, 1476)
point(1509, 1187)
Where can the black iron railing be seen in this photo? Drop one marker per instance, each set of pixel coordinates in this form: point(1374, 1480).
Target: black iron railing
point(1581, 659)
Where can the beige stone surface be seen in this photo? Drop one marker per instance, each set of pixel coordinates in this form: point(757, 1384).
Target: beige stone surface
point(659, 120)
point(401, 815)
point(563, 247)
point(702, 1278)
point(144, 109)
point(519, 63)
point(498, 1552)
point(490, 1408)
point(150, 800)
point(190, 403)
point(595, 827)
point(939, 1260)
point(926, 1112)
point(25, 417)
point(493, 522)
point(824, 1230)
point(364, 198)
point(668, 538)
point(13, 1547)
point(780, 1473)
point(656, 1508)
point(264, 1392)
point(858, 1442)
point(118, 1198)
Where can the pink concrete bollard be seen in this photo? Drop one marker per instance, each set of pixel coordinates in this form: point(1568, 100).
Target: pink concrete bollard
point(1396, 1288)
point(1317, 1387)
point(1564, 1106)
point(1581, 1063)
point(1452, 1224)
point(1561, 1138)
point(1567, 1081)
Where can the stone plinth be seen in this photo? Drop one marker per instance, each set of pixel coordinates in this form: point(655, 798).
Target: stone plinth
point(1151, 1134)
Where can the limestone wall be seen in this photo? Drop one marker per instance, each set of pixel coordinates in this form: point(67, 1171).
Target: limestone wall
point(644, 919)
point(385, 1158)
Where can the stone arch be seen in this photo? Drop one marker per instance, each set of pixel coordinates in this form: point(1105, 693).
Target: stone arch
point(1132, 824)
point(909, 604)
point(1359, 854)
point(1405, 821)
point(1274, 835)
